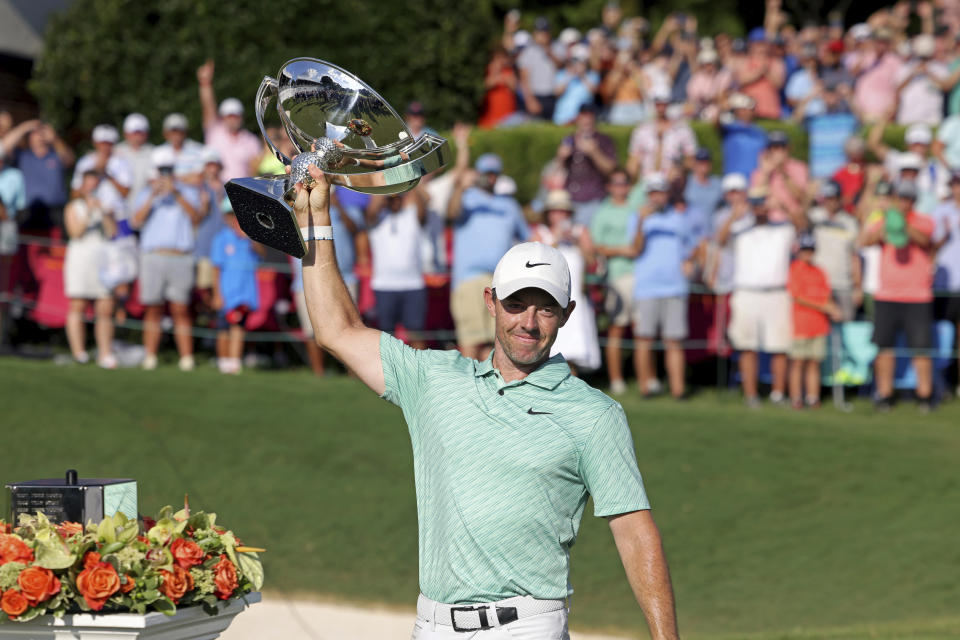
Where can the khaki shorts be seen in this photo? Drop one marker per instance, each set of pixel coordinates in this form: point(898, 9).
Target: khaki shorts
point(761, 321)
point(205, 273)
point(619, 300)
point(470, 315)
point(809, 348)
point(300, 302)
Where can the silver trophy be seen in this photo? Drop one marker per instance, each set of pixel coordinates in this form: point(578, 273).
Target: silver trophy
point(345, 128)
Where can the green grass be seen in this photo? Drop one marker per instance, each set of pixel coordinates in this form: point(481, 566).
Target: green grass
point(777, 524)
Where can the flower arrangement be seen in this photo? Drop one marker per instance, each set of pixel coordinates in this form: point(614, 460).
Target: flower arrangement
point(179, 559)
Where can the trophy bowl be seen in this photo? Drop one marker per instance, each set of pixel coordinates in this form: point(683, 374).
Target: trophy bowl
point(338, 123)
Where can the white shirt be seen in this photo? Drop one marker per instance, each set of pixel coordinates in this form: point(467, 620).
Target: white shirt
point(921, 100)
point(110, 199)
point(141, 166)
point(761, 254)
point(395, 247)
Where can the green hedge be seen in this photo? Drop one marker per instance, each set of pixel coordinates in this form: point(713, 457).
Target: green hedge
point(526, 149)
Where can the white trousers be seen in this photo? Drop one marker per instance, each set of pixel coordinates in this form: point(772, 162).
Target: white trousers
point(544, 626)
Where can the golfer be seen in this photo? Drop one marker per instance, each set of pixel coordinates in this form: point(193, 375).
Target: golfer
point(505, 451)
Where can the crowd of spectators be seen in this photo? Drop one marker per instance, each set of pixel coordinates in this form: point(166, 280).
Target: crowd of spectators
point(791, 248)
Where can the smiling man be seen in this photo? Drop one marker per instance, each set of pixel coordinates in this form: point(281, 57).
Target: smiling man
point(506, 451)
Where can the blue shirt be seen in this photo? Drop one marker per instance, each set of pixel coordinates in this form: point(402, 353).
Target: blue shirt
point(343, 241)
point(44, 177)
point(742, 144)
point(13, 193)
point(168, 226)
point(828, 132)
point(486, 229)
point(574, 96)
point(947, 218)
point(702, 200)
point(799, 86)
point(658, 270)
point(210, 225)
point(234, 256)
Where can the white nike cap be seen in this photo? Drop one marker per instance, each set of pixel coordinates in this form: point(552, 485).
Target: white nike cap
point(533, 264)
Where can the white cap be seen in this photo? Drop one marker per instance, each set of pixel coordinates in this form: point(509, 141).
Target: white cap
point(533, 264)
point(521, 39)
point(231, 107)
point(734, 182)
point(558, 200)
point(660, 94)
point(580, 52)
point(163, 156)
point(924, 45)
point(505, 186)
point(175, 121)
point(105, 133)
point(909, 160)
point(655, 182)
point(707, 56)
point(569, 35)
point(860, 31)
point(918, 133)
point(741, 101)
point(136, 122)
point(209, 154)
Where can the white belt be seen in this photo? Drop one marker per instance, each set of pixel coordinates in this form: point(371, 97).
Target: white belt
point(476, 617)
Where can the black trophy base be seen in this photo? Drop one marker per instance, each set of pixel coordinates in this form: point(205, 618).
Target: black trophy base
point(264, 213)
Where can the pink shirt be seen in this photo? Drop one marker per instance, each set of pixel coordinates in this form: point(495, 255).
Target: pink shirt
point(875, 92)
point(778, 188)
point(703, 89)
point(764, 92)
point(678, 141)
point(906, 274)
point(237, 151)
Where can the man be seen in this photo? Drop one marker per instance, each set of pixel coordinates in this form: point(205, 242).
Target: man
point(828, 130)
point(921, 83)
point(904, 299)
point(538, 69)
point(184, 150)
point(485, 227)
point(719, 263)
point(761, 76)
point(661, 246)
point(588, 156)
point(947, 248)
point(852, 175)
point(512, 429)
point(931, 176)
point(400, 292)
point(659, 143)
point(608, 230)
point(835, 232)
point(115, 172)
point(13, 200)
point(44, 163)
point(223, 130)
point(416, 119)
point(167, 212)
point(137, 151)
point(703, 194)
point(785, 178)
point(743, 140)
point(875, 92)
point(760, 307)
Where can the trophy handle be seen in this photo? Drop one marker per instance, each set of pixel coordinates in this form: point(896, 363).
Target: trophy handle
point(268, 89)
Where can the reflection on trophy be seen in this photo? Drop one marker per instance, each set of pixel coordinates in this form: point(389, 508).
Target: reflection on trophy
point(342, 126)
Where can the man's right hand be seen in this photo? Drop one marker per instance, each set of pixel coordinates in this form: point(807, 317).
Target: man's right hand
point(312, 204)
point(205, 72)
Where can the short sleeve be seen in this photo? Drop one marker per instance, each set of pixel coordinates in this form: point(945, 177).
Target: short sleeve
point(402, 371)
point(608, 467)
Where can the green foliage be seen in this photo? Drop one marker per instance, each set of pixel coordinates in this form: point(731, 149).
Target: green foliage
point(777, 524)
point(106, 58)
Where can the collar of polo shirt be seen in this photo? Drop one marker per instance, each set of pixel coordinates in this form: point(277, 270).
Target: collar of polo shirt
point(547, 376)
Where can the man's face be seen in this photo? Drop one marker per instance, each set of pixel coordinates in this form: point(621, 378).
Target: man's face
point(416, 121)
point(658, 199)
point(743, 115)
point(919, 148)
point(619, 186)
point(586, 121)
point(736, 197)
point(703, 167)
point(542, 38)
point(175, 137)
point(103, 148)
point(906, 204)
point(233, 122)
point(806, 255)
point(909, 175)
point(777, 152)
point(135, 138)
point(526, 324)
point(394, 203)
point(661, 107)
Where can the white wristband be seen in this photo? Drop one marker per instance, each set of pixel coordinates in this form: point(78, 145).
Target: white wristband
point(316, 233)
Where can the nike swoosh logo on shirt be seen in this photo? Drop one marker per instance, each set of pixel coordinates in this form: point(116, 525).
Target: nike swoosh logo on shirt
point(536, 264)
point(538, 413)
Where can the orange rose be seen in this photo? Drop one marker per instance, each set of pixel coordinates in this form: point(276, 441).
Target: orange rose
point(67, 529)
point(98, 582)
point(225, 578)
point(91, 559)
point(13, 549)
point(186, 553)
point(127, 583)
point(175, 585)
point(38, 584)
point(13, 603)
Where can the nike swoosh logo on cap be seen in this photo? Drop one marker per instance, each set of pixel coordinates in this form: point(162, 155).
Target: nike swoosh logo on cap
point(537, 264)
point(538, 413)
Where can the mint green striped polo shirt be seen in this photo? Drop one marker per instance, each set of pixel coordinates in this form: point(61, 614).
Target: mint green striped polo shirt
point(503, 470)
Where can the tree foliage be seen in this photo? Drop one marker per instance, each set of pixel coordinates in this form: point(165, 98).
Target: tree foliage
point(106, 58)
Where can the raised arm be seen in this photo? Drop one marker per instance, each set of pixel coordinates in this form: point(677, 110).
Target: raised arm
point(641, 551)
point(208, 100)
point(337, 326)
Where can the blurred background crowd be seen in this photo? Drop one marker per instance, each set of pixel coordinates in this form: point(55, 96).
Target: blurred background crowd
point(786, 261)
